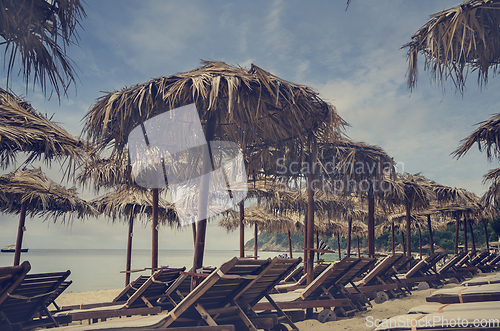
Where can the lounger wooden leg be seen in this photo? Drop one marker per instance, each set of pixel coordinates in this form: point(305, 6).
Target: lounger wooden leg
point(281, 312)
point(367, 302)
point(402, 286)
point(244, 318)
point(49, 315)
point(390, 291)
point(328, 294)
point(205, 315)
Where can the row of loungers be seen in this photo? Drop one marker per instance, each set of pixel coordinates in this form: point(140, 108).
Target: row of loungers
point(463, 307)
point(248, 294)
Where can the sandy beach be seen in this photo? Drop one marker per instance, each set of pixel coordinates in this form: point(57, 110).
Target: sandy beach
point(360, 321)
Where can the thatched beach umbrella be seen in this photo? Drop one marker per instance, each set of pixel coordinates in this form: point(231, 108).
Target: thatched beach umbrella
point(128, 203)
point(31, 191)
point(37, 32)
point(263, 220)
point(457, 211)
point(23, 129)
point(359, 229)
point(456, 40)
point(335, 228)
point(367, 166)
point(251, 107)
point(417, 196)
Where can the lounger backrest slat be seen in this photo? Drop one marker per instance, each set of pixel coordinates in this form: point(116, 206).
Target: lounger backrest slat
point(11, 277)
point(31, 295)
point(331, 276)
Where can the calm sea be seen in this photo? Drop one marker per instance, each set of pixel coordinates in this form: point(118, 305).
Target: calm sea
point(93, 269)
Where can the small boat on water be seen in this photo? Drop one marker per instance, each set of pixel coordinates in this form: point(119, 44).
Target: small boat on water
point(12, 249)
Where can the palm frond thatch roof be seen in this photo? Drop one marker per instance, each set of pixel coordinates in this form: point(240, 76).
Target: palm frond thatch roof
point(23, 129)
point(359, 229)
point(490, 197)
point(418, 221)
point(487, 136)
point(41, 195)
point(454, 40)
point(105, 172)
point(471, 211)
point(37, 32)
point(266, 220)
point(126, 201)
point(248, 106)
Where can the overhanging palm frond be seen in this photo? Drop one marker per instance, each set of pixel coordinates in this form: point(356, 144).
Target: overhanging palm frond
point(487, 136)
point(456, 39)
point(492, 194)
point(37, 32)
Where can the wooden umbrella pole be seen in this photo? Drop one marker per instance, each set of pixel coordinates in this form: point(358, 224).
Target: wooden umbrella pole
point(305, 242)
point(290, 250)
point(242, 228)
point(392, 239)
point(466, 247)
point(193, 226)
point(408, 227)
point(403, 242)
point(20, 233)
point(371, 222)
point(338, 245)
point(349, 229)
point(310, 228)
point(457, 226)
point(472, 240)
point(317, 245)
point(255, 244)
point(431, 239)
point(359, 249)
point(199, 249)
point(154, 254)
point(129, 248)
point(486, 236)
point(420, 241)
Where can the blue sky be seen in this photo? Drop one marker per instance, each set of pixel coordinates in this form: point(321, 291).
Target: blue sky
point(352, 58)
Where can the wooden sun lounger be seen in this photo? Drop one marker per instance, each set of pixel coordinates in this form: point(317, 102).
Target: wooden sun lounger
point(223, 298)
point(30, 298)
point(379, 278)
point(446, 320)
point(461, 294)
point(10, 278)
point(294, 276)
point(326, 290)
point(140, 323)
point(423, 271)
point(469, 306)
point(301, 283)
point(453, 267)
point(141, 301)
point(489, 279)
point(494, 263)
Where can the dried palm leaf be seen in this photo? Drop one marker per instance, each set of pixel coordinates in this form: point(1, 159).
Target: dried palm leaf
point(41, 195)
point(487, 136)
point(458, 39)
point(38, 32)
point(127, 201)
point(23, 129)
point(251, 107)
